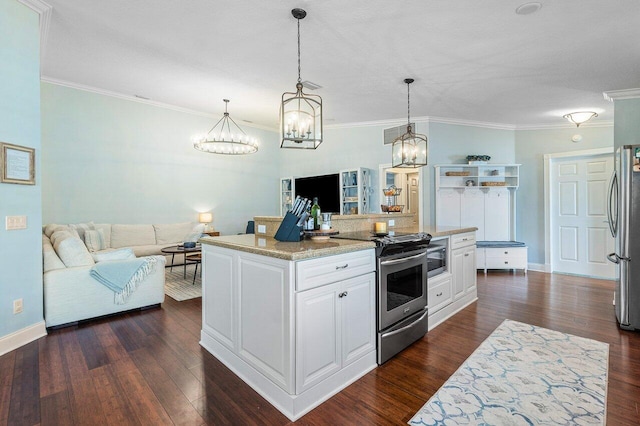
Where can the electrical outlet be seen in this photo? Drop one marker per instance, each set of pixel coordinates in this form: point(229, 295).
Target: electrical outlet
point(15, 222)
point(17, 306)
point(392, 222)
point(262, 229)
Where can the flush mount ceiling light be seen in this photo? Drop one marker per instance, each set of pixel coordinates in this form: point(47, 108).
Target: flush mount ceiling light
point(223, 139)
point(300, 113)
point(580, 117)
point(528, 8)
point(409, 149)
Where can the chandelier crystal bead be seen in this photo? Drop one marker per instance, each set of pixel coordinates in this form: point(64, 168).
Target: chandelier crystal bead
point(300, 113)
point(222, 139)
point(410, 149)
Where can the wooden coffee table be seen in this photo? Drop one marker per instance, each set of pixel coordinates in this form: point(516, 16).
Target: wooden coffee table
point(179, 249)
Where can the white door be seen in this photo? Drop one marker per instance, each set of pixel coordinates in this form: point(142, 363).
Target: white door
point(413, 187)
point(580, 238)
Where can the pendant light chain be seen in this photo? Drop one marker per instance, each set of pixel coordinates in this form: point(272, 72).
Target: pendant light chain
point(408, 107)
point(299, 79)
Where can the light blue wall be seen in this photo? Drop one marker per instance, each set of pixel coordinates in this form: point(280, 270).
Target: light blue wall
point(113, 160)
point(626, 114)
point(451, 143)
point(20, 250)
point(531, 146)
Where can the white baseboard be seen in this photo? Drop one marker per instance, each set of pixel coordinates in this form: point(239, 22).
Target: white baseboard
point(540, 267)
point(22, 337)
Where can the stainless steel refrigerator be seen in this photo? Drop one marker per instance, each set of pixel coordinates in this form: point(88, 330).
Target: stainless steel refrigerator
point(624, 223)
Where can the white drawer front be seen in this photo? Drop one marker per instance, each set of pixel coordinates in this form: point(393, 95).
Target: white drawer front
point(463, 240)
point(505, 263)
point(325, 270)
point(514, 252)
point(439, 296)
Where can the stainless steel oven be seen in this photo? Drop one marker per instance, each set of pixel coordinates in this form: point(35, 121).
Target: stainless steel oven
point(402, 298)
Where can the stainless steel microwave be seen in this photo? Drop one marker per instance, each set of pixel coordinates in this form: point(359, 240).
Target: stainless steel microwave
point(436, 258)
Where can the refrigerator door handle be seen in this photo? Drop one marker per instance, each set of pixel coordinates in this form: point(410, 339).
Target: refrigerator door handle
point(612, 210)
point(614, 258)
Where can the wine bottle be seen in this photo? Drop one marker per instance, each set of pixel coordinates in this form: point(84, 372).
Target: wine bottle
point(315, 213)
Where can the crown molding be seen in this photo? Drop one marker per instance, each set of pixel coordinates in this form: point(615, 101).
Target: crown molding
point(472, 123)
point(556, 126)
point(44, 11)
point(117, 95)
point(616, 95)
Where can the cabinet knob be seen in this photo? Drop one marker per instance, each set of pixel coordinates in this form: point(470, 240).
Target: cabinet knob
point(506, 252)
point(439, 294)
point(342, 267)
point(466, 254)
point(343, 294)
point(506, 263)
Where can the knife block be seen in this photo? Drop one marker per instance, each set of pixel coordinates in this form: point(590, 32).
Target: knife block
point(289, 229)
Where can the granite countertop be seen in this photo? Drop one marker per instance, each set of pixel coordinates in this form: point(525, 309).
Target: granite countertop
point(268, 246)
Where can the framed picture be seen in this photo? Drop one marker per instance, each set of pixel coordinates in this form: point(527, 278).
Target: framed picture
point(17, 164)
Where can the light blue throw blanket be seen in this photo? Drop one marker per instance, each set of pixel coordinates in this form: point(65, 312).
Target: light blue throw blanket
point(123, 276)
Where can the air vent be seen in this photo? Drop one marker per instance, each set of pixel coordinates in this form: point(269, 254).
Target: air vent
point(311, 85)
point(391, 134)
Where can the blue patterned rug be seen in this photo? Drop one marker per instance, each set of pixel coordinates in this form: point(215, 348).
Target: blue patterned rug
point(524, 375)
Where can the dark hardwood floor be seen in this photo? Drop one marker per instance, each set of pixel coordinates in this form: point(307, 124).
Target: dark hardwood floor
point(148, 368)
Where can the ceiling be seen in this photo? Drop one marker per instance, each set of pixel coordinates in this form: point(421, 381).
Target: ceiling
point(472, 61)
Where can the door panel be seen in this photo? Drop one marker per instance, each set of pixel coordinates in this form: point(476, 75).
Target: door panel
point(580, 239)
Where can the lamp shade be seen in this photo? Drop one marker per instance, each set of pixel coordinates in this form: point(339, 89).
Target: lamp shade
point(580, 117)
point(205, 217)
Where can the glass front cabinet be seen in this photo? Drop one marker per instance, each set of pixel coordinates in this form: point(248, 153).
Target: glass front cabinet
point(355, 191)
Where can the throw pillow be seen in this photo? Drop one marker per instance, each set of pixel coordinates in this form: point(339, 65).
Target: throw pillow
point(94, 240)
point(121, 254)
point(81, 228)
point(51, 260)
point(71, 250)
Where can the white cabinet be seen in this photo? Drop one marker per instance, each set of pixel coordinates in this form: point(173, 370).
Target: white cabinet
point(463, 264)
point(503, 258)
point(355, 191)
point(335, 327)
point(453, 290)
point(480, 196)
point(287, 194)
point(295, 331)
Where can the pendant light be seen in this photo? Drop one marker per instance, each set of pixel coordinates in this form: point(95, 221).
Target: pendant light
point(300, 113)
point(224, 139)
point(410, 149)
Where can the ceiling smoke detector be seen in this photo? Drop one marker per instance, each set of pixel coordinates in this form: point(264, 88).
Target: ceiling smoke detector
point(528, 8)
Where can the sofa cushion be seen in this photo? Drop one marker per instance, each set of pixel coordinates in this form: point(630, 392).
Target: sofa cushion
point(81, 228)
point(94, 240)
point(71, 250)
point(106, 228)
point(53, 227)
point(148, 250)
point(51, 260)
point(172, 233)
point(132, 235)
point(119, 254)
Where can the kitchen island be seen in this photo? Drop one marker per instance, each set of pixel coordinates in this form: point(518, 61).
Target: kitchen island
point(294, 320)
point(297, 320)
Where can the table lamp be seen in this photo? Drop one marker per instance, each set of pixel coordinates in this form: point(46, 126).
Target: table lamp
point(205, 218)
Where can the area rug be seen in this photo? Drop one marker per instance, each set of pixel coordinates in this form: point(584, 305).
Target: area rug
point(180, 288)
point(524, 375)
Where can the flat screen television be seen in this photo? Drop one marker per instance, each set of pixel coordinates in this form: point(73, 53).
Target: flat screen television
point(325, 187)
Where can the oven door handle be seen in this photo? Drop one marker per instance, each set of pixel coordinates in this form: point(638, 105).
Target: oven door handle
point(406, 327)
point(403, 260)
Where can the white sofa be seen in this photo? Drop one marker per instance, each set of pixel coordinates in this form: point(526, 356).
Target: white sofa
point(71, 294)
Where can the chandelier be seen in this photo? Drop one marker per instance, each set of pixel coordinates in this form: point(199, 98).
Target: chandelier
point(300, 113)
point(580, 117)
point(223, 139)
point(409, 149)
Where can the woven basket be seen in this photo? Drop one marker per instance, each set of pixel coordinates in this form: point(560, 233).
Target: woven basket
point(494, 183)
point(457, 173)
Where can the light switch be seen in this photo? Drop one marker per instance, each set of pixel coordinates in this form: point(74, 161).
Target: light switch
point(392, 222)
point(262, 229)
point(15, 222)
